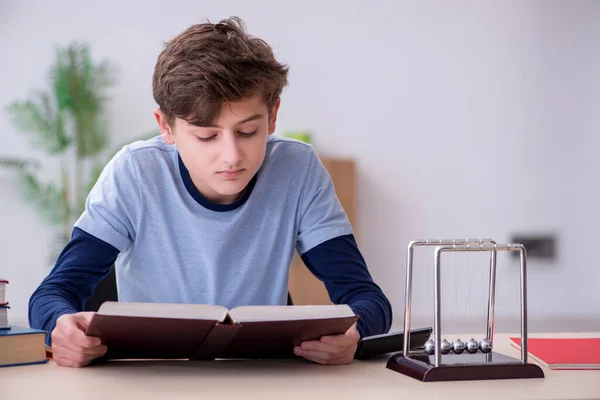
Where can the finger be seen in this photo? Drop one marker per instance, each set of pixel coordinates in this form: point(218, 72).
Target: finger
point(352, 328)
point(340, 340)
point(63, 337)
point(92, 351)
point(315, 345)
point(84, 318)
point(66, 362)
point(351, 336)
point(323, 358)
point(75, 335)
point(70, 327)
point(68, 357)
point(338, 361)
point(66, 352)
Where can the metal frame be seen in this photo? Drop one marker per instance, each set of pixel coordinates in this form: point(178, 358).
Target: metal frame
point(464, 245)
point(408, 288)
point(494, 248)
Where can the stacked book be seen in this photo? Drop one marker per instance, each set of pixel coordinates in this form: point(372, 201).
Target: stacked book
point(18, 346)
point(3, 305)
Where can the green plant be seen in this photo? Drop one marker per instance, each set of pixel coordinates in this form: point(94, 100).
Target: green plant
point(68, 122)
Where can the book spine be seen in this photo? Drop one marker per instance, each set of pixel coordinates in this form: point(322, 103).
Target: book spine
point(216, 341)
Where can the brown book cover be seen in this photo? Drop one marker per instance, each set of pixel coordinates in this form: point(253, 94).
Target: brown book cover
point(277, 339)
point(197, 331)
point(216, 341)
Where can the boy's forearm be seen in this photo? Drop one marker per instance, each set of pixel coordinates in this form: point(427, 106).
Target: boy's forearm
point(339, 264)
point(46, 305)
point(81, 265)
point(375, 313)
point(64, 291)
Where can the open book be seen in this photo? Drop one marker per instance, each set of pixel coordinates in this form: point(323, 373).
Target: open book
point(199, 331)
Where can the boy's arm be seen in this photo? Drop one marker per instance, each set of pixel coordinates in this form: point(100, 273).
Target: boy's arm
point(81, 265)
point(340, 265)
point(328, 249)
point(106, 227)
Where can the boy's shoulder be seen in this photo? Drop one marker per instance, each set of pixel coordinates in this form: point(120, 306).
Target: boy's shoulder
point(287, 148)
point(286, 157)
point(142, 151)
point(141, 148)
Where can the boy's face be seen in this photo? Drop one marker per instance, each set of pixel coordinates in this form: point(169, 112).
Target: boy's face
point(223, 158)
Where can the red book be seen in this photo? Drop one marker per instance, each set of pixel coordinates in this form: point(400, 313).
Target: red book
point(563, 353)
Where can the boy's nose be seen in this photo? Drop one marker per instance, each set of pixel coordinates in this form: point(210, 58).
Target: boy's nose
point(231, 153)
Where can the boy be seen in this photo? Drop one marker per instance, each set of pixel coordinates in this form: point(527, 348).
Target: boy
point(212, 210)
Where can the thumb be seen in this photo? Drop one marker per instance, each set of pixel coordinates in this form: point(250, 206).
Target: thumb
point(83, 319)
point(351, 330)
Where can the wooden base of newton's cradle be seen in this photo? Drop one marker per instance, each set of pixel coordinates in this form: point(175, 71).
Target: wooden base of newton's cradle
point(463, 367)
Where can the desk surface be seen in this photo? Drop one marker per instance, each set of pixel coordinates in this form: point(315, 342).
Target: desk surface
point(280, 379)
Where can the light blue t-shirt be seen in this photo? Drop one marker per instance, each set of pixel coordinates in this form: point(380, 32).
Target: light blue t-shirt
point(176, 249)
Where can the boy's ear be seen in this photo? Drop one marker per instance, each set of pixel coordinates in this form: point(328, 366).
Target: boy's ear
point(165, 129)
point(273, 116)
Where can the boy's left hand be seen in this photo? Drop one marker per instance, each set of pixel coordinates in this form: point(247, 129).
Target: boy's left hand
point(338, 349)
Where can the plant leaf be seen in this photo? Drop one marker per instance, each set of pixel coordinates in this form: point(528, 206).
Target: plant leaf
point(79, 87)
point(37, 116)
point(59, 76)
point(18, 163)
point(46, 197)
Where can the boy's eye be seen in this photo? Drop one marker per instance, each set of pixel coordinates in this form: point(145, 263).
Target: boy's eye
point(242, 134)
point(247, 134)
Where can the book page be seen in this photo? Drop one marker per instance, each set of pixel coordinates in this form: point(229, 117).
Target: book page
point(164, 310)
point(289, 313)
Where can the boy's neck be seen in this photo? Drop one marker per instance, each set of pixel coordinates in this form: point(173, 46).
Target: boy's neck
point(231, 204)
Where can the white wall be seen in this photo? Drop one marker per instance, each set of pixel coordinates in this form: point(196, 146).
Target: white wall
point(467, 119)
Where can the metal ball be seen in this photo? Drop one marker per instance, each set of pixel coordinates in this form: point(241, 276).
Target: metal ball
point(472, 346)
point(485, 345)
point(429, 347)
point(458, 346)
point(445, 347)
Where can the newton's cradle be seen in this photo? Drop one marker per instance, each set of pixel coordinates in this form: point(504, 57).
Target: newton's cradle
point(441, 360)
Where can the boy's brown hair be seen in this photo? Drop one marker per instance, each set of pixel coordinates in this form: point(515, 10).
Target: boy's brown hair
point(209, 65)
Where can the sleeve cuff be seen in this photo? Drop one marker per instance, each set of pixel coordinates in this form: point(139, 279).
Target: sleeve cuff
point(104, 232)
point(309, 240)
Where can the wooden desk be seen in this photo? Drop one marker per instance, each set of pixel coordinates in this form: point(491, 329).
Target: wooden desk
point(276, 379)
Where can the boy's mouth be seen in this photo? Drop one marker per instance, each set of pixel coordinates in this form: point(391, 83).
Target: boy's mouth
point(232, 173)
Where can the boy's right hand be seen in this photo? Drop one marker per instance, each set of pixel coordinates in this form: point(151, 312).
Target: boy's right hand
point(71, 347)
